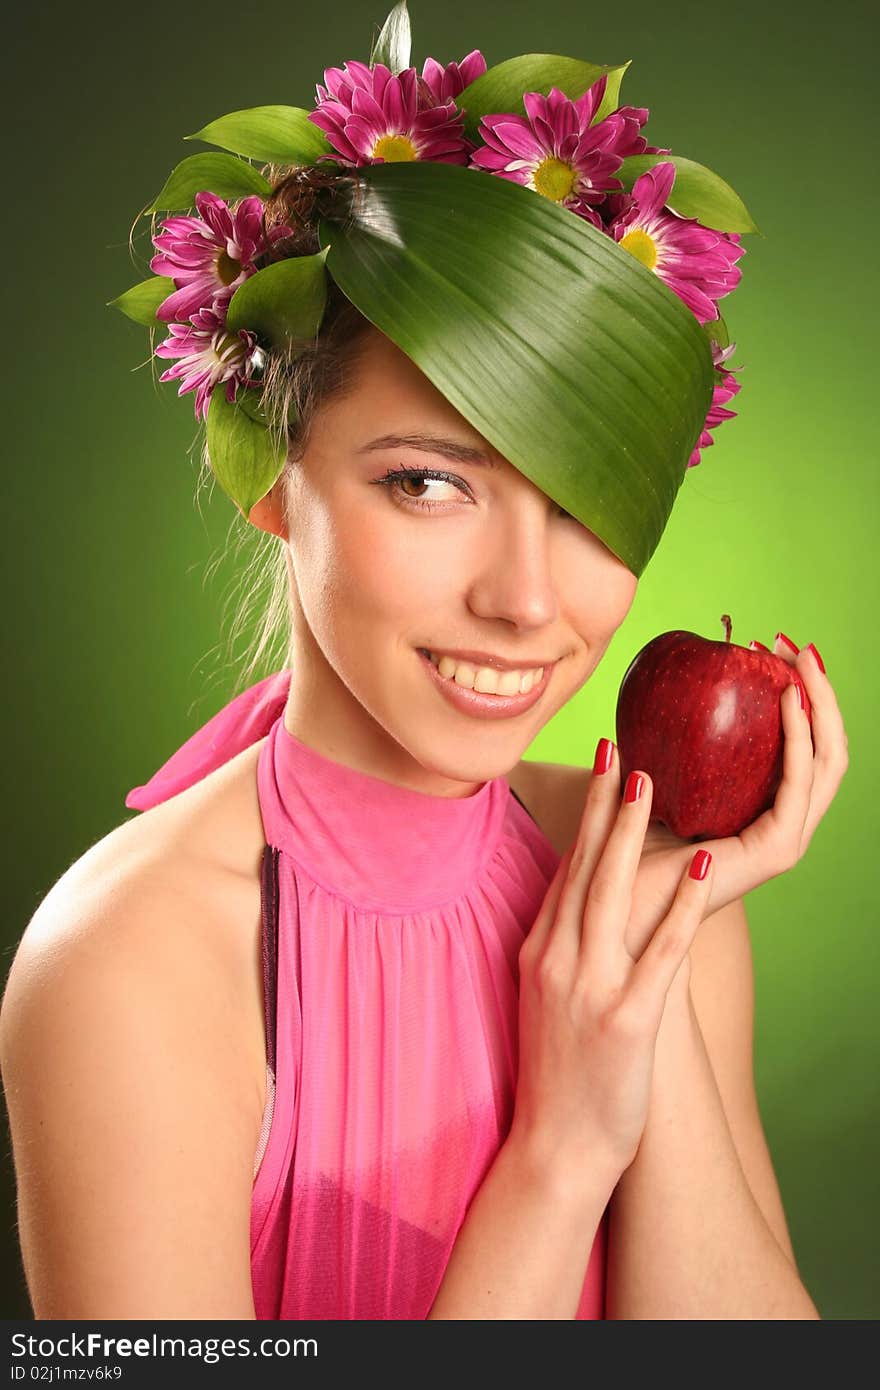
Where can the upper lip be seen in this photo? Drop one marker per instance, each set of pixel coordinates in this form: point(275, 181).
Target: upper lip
point(485, 659)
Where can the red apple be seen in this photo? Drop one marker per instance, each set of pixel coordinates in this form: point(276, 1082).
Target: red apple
point(703, 719)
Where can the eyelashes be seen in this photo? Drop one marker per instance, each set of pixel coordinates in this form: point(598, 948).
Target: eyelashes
point(396, 476)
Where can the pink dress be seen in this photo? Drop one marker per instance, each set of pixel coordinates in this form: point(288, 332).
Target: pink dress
point(391, 923)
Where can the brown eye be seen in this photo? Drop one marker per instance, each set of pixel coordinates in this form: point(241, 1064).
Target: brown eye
point(408, 481)
point(399, 481)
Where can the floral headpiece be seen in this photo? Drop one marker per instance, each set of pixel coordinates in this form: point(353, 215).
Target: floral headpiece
point(578, 330)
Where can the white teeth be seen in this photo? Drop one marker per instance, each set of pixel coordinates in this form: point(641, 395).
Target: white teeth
point(486, 679)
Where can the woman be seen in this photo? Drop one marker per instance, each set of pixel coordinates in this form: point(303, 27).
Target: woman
point(342, 1028)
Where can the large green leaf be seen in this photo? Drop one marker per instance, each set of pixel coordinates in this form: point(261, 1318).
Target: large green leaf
point(577, 363)
point(392, 46)
point(274, 134)
point(283, 302)
point(141, 301)
point(696, 192)
point(222, 174)
point(501, 87)
point(245, 456)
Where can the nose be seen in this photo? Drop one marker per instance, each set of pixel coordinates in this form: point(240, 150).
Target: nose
point(513, 576)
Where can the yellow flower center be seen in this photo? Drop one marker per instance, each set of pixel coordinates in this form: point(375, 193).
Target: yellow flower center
point(228, 347)
point(228, 269)
point(394, 149)
point(554, 179)
point(640, 245)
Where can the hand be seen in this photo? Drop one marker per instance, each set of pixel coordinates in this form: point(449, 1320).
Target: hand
point(812, 771)
point(588, 1012)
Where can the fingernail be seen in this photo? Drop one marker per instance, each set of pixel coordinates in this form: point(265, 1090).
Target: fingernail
point(781, 637)
point(757, 646)
point(801, 691)
point(604, 754)
point(634, 784)
point(819, 662)
point(700, 864)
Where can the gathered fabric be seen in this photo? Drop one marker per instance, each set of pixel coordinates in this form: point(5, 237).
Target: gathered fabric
point(391, 925)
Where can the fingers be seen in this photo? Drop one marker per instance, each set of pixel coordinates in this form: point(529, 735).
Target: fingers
point(600, 813)
point(799, 808)
point(831, 745)
point(661, 959)
point(784, 647)
point(576, 865)
point(609, 896)
point(829, 734)
point(778, 832)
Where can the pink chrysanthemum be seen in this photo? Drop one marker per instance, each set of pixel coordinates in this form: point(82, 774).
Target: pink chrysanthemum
point(372, 116)
point(724, 391)
point(555, 150)
point(449, 81)
point(209, 256)
point(209, 354)
point(699, 264)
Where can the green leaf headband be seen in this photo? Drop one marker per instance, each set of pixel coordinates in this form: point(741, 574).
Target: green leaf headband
point(578, 331)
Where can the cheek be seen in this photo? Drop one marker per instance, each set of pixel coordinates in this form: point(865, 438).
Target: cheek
point(359, 568)
point(596, 590)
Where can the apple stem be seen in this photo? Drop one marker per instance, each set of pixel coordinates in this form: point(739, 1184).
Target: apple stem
point(728, 626)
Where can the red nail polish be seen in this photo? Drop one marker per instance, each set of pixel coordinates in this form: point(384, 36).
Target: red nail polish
point(781, 637)
point(757, 646)
point(801, 691)
point(604, 754)
point(634, 784)
point(819, 662)
point(700, 864)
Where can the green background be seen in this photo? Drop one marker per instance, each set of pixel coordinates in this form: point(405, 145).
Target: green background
point(115, 585)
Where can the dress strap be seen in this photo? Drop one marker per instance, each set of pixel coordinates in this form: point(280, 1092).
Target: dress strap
point(242, 722)
point(269, 947)
point(269, 954)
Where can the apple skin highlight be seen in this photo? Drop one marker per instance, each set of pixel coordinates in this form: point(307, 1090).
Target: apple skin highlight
point(703, 719)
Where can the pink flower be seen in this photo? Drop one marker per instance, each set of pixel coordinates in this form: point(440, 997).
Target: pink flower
point(724, 391)
point(371, 116)
point(209, 354)
point(555, 150)
point(448, 82)
point(698, 264)
point(210, 255)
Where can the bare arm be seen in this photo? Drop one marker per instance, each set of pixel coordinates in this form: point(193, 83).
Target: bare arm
point(132, 1128)
point(687, 1238)
point(588, 1022)
point(524, 1247)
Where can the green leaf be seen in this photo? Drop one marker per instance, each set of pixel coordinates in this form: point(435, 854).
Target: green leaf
point(245, 457)
point(716, 331)
point(392, 47)
point(696, 192)
point(501, 87)
point(274, 134)
point(222, 174)
point(579, 365)
point(141, 301)
point(284, 302)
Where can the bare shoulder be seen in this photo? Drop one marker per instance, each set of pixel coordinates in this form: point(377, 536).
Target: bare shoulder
point(131, 1067)
point(172, 894)
point(554, 794)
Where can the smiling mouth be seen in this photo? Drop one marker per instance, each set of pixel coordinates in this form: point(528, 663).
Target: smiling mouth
point(485, 680)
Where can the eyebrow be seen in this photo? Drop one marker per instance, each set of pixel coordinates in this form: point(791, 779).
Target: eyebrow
point(430, 444)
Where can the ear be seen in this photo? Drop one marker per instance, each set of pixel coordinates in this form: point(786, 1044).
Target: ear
point(268, 513)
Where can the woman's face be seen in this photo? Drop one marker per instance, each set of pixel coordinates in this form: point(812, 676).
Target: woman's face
point(492, 566)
